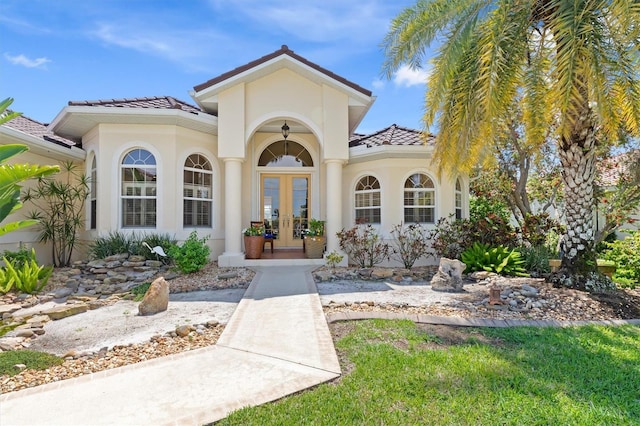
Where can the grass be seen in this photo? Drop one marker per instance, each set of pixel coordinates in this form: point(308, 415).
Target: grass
point(399, 373)
point(32, 359)
point(139, 291)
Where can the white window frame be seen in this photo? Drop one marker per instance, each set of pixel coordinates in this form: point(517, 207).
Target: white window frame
point(144, 185)
point(368, 196)
point(417, 193)
point(202, 194)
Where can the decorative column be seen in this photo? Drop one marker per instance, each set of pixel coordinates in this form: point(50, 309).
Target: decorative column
point(232, 255)
point(334, 202)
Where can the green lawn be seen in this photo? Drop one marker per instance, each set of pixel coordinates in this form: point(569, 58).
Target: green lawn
point(399, 373)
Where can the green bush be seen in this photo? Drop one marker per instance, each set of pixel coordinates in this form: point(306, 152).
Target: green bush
point(18, 258)
point(364, 246)
point(500, 260)
point(115, 243)
point(7, 281)
point(536, 259)
point(481, 207)
point(27, 277)
point(191, 256)
point(626, 255)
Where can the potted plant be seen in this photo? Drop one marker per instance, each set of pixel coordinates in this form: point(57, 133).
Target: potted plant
point(315, 240)
point(253, 242)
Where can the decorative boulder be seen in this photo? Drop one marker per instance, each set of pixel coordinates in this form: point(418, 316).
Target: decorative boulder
point(449, 276)
point(156, 299)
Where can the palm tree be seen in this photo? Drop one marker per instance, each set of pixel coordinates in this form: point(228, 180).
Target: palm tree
point(574, 63)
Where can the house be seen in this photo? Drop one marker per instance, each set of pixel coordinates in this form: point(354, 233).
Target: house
point(272, 140)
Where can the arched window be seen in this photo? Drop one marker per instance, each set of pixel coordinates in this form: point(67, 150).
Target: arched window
point(458, 199)
point(197, 191)
point(368, 200)
point(138, 189)
point(419, 199)
point(285, 154)
point(93, 197)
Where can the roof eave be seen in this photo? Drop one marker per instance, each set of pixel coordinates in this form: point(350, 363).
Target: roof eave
point(75, 121)
point(42, 147)
point(359, 154)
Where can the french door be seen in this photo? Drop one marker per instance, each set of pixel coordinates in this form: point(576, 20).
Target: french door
point(285, 207)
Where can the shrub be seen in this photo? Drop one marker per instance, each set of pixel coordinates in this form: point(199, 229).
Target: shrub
point(334, 258)
point(192, 255)
point(481, 207)
point(28, 277)
point(412, 243)
point(626, 255)
point(19, 257)
point(452, 236)
point(115, 243)
point(500, 260)
point(364, 246)
point(536, 259)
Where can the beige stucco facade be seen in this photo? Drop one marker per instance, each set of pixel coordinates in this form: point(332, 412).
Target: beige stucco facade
point(239, 118)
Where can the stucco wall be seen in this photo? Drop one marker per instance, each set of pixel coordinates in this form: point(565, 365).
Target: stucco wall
point(170, 145)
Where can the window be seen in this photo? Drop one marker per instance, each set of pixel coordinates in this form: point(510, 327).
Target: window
point(419, 199)
point(368, 200)
point(285, 154)
point(197, 191)
point(138, 189)
point(93, 197)
point(458, 199)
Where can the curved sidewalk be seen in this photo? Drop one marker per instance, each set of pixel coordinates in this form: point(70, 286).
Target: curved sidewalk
point(276, 343)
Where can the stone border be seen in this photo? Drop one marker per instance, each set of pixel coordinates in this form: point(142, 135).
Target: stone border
point(469, 322)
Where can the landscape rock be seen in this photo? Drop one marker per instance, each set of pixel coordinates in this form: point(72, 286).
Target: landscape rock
point(64, 311)
point(184, 330)
point(381, 273)
point(449, 276)
point(156, 299)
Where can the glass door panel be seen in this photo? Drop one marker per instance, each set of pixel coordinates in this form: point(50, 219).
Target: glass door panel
point(285, 207)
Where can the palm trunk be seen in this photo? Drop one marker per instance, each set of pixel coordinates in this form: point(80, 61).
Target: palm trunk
point(577, 156)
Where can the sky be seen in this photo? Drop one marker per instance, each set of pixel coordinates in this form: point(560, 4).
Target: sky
point(56, 51)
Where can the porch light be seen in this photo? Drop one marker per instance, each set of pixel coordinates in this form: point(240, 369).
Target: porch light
point(285, 135)
point(285, 131)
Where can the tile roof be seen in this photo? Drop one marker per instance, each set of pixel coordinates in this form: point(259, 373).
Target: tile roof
point(159, 102)
point(284, 50)
point(392, 135)
point(38, 130)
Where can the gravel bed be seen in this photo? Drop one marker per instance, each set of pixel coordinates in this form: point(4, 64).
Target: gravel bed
point(373, 296)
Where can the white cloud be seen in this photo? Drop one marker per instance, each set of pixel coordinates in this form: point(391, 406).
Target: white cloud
point(26, 62)
point(377, 84)
point(408, 77)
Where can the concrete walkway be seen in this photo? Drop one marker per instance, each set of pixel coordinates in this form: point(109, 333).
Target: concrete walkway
point(276, 343)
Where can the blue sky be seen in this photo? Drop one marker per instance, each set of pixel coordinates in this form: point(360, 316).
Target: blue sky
point(56, 51)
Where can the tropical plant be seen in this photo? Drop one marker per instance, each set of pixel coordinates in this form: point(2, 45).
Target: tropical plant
point(60, 211)
point(11, 175)
point(574, 64)
point(28, 277)
point(501, 260)
point(411, 243)
point(115, 242)
point(192, 255)
point(364, 245)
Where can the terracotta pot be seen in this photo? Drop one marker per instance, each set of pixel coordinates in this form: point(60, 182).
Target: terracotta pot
point(253, 246)
point(314, 247)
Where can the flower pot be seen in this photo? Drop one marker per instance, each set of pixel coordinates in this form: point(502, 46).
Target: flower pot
point(606, 268)
point(253, 246)
point(314, 247)
point(554, 264)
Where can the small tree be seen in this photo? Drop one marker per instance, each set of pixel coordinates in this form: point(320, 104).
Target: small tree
point(60, 208)
point(364, 245)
